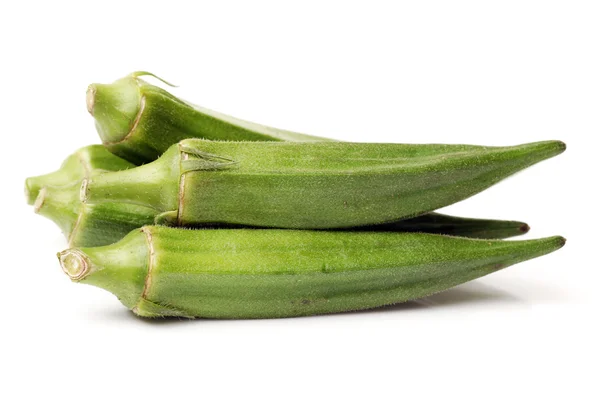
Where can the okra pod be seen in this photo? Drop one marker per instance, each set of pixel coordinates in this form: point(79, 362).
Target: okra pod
point(253, 273)
point(86, 225)
point(317, 185)
point(139, 121)
point(101, 224)
point(83, 163)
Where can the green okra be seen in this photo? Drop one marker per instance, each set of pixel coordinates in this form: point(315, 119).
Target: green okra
point(86, 225)
point(83, 163)
point(101, 224)
point(139, 121)
point(254, 273)
point(317, 185)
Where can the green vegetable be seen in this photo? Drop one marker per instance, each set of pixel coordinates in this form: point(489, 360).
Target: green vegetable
point(88, 225)
point(84, 163)
point(101, 224)
point(158, 271)
point(139, 121)
point(316, 185)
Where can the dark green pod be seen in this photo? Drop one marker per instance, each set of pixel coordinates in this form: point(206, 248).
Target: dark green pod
point(455, 226)
point(252, 273)
point(317, 185)
point(139, 121)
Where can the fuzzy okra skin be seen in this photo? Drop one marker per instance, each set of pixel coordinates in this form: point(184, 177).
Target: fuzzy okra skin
point(100, 224)
point(86, 225)
point(105, 223)
point(139, 121)
point(159, 271)
point(319, 185)
point(85, 162)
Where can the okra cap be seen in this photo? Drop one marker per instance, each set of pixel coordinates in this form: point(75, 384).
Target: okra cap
point(115, 107)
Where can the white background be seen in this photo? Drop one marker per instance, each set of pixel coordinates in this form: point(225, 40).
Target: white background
point(480, 72)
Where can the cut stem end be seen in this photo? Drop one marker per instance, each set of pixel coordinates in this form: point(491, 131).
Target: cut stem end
point(74, 263)
point(90, 99)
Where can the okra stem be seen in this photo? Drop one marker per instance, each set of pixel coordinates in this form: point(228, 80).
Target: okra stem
point(83, 163)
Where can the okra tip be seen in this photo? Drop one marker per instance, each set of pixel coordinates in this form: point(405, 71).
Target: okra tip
point(524, 228)
point(560, 146)
point(547, 149)
point(74, 263)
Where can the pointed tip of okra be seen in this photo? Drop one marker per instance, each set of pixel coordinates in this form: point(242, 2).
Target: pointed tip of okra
point(524, 228)
point(552, 243)
point(545, 149)
point(116, 107)
point(74, 263)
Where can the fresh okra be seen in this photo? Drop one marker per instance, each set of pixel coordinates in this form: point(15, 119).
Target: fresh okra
point(139, 121)
point(86, 225)
point(105, 223)
point(84, 163)
point(317, 185)
point(253, 273)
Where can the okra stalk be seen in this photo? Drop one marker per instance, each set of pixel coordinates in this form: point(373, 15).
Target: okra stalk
point(159, 271)
point(316, 185)
point(85, 162)
point(139, 121)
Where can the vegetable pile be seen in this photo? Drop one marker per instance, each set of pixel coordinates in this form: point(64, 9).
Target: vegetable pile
point(187, 212)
